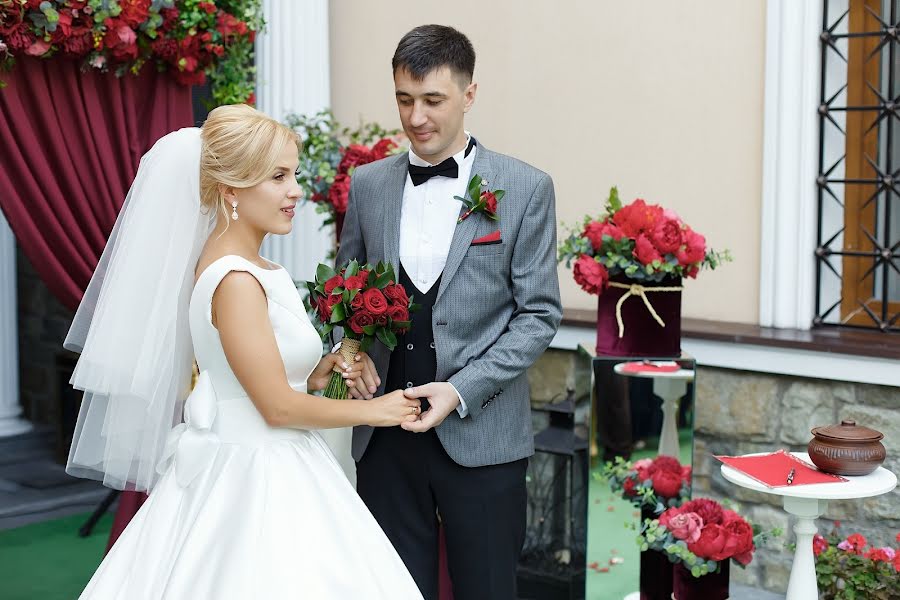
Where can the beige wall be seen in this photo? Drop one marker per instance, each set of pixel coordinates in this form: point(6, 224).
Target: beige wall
point(663, 99)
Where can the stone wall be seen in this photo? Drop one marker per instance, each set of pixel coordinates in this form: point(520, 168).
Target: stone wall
point(43, 324)
point(739, 412)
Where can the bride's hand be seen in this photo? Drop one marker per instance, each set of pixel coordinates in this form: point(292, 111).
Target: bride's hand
point(361, 377)
point(392, 409)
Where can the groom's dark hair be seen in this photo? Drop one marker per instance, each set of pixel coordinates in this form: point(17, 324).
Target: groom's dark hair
point(430, 47)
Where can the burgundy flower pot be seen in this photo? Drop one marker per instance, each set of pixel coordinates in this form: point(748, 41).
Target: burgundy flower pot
point(642, 335)
point(656, 569)
point(708, 587)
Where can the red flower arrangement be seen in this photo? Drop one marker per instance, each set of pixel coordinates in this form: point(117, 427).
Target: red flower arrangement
point(645, 242)
point(354, 156)
point(701, 534)
point(190, 39)
point(366, 302)
point(652, 483)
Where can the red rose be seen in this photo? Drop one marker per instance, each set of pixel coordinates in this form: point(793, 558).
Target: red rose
point(694, 249)
point(709, 510)
point(355, 156)
point(357, 282)
point(251, 99)
point(381, 320)
point(121, 41)
point(357, 302)
point(628, 485)
point(398, 313)
point(209, 7)
point(339, 193)
point(332, 283)
point(228, 25)
point(374, 301)
point(134, 12)
point(644, 251)
point(896, 562)
point(712, 542)
point(335, 299)
point(644, 474)
point(324, 309)
point(170, 18)
point(637, 217)
point(666, 483)
point(63, 27)
point(359, 320)
point(490, 202)
point(590, 275)
point(666, 236)
point(382, 148)
point(396, 293)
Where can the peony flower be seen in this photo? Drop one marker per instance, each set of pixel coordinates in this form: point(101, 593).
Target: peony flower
point(709, 510)
point(666, 483)
point(637, 217)
point(694, 249)
point(590, 275)
point(666, 236)
point(595, 230)
point(644, 250)
point(644, 463)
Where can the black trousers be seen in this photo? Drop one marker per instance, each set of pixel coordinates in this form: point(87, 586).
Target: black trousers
point(406, 479)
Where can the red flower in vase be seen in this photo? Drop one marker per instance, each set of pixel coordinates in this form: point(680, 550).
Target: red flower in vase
point(590, 275)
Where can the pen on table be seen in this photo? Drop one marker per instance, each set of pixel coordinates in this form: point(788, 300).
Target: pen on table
point(790, 477)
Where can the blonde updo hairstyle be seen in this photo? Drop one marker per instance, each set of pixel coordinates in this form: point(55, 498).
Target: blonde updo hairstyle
point(240, 148)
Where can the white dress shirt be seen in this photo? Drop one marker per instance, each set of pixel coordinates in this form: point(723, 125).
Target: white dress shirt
point(428, 218)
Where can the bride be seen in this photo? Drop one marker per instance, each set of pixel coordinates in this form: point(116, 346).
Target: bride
point(247, 501)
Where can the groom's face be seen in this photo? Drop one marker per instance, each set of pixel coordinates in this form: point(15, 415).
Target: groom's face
point(432, 111)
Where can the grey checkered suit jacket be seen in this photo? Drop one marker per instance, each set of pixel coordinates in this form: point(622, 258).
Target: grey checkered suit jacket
point(497, 307)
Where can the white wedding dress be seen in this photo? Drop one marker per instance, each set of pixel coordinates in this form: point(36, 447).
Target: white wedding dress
point(243, 510)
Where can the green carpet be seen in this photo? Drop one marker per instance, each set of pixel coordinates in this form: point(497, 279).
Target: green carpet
point(48, 561)
point(610, 533)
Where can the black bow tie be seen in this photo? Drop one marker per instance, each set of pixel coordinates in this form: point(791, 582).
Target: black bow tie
point(420, 175)
point(447, 168)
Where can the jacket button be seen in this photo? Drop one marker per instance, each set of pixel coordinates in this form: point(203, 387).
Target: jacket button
point(409, 346)
point(432, 345)
point(409, 384)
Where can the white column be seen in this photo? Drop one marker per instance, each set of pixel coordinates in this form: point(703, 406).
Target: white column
point(790, 163)
point(11, 422)
point(293, 77)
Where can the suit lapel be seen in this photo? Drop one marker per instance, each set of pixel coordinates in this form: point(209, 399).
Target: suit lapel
point(393, 200)
point(465, 231)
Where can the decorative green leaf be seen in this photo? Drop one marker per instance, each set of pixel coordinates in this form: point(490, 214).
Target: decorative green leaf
point(324, 273)
point(387, 337)
point(352, 269)
point(337, 313)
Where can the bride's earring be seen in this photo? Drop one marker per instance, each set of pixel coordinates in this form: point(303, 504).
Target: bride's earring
point(234, 215)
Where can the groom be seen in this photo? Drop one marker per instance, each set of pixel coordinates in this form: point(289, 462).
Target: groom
point(490, 306)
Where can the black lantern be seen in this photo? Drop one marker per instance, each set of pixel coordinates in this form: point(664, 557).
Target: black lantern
point(552, 564)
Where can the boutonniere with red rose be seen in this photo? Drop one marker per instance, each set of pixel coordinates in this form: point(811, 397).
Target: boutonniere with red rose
point(655, 483)
point(367, 302)
point(480, 200)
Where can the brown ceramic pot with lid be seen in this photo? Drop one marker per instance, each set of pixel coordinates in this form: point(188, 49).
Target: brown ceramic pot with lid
point(846, 449)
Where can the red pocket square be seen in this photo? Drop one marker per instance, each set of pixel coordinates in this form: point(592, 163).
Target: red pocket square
point(491, 238)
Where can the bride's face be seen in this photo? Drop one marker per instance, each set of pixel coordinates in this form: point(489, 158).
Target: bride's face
point(269, 206)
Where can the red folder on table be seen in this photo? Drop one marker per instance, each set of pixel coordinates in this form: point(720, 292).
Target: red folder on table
point(772, 469)
point(650, 367)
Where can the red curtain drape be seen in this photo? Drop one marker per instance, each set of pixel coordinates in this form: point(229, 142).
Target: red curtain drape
point(71, 143)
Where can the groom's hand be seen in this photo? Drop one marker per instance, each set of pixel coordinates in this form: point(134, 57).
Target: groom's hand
point(443, 400)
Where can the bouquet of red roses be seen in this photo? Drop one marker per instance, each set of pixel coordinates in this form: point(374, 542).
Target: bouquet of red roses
point(645, 242)
point(653, 483)
point(700, 534)
point(366, 302)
